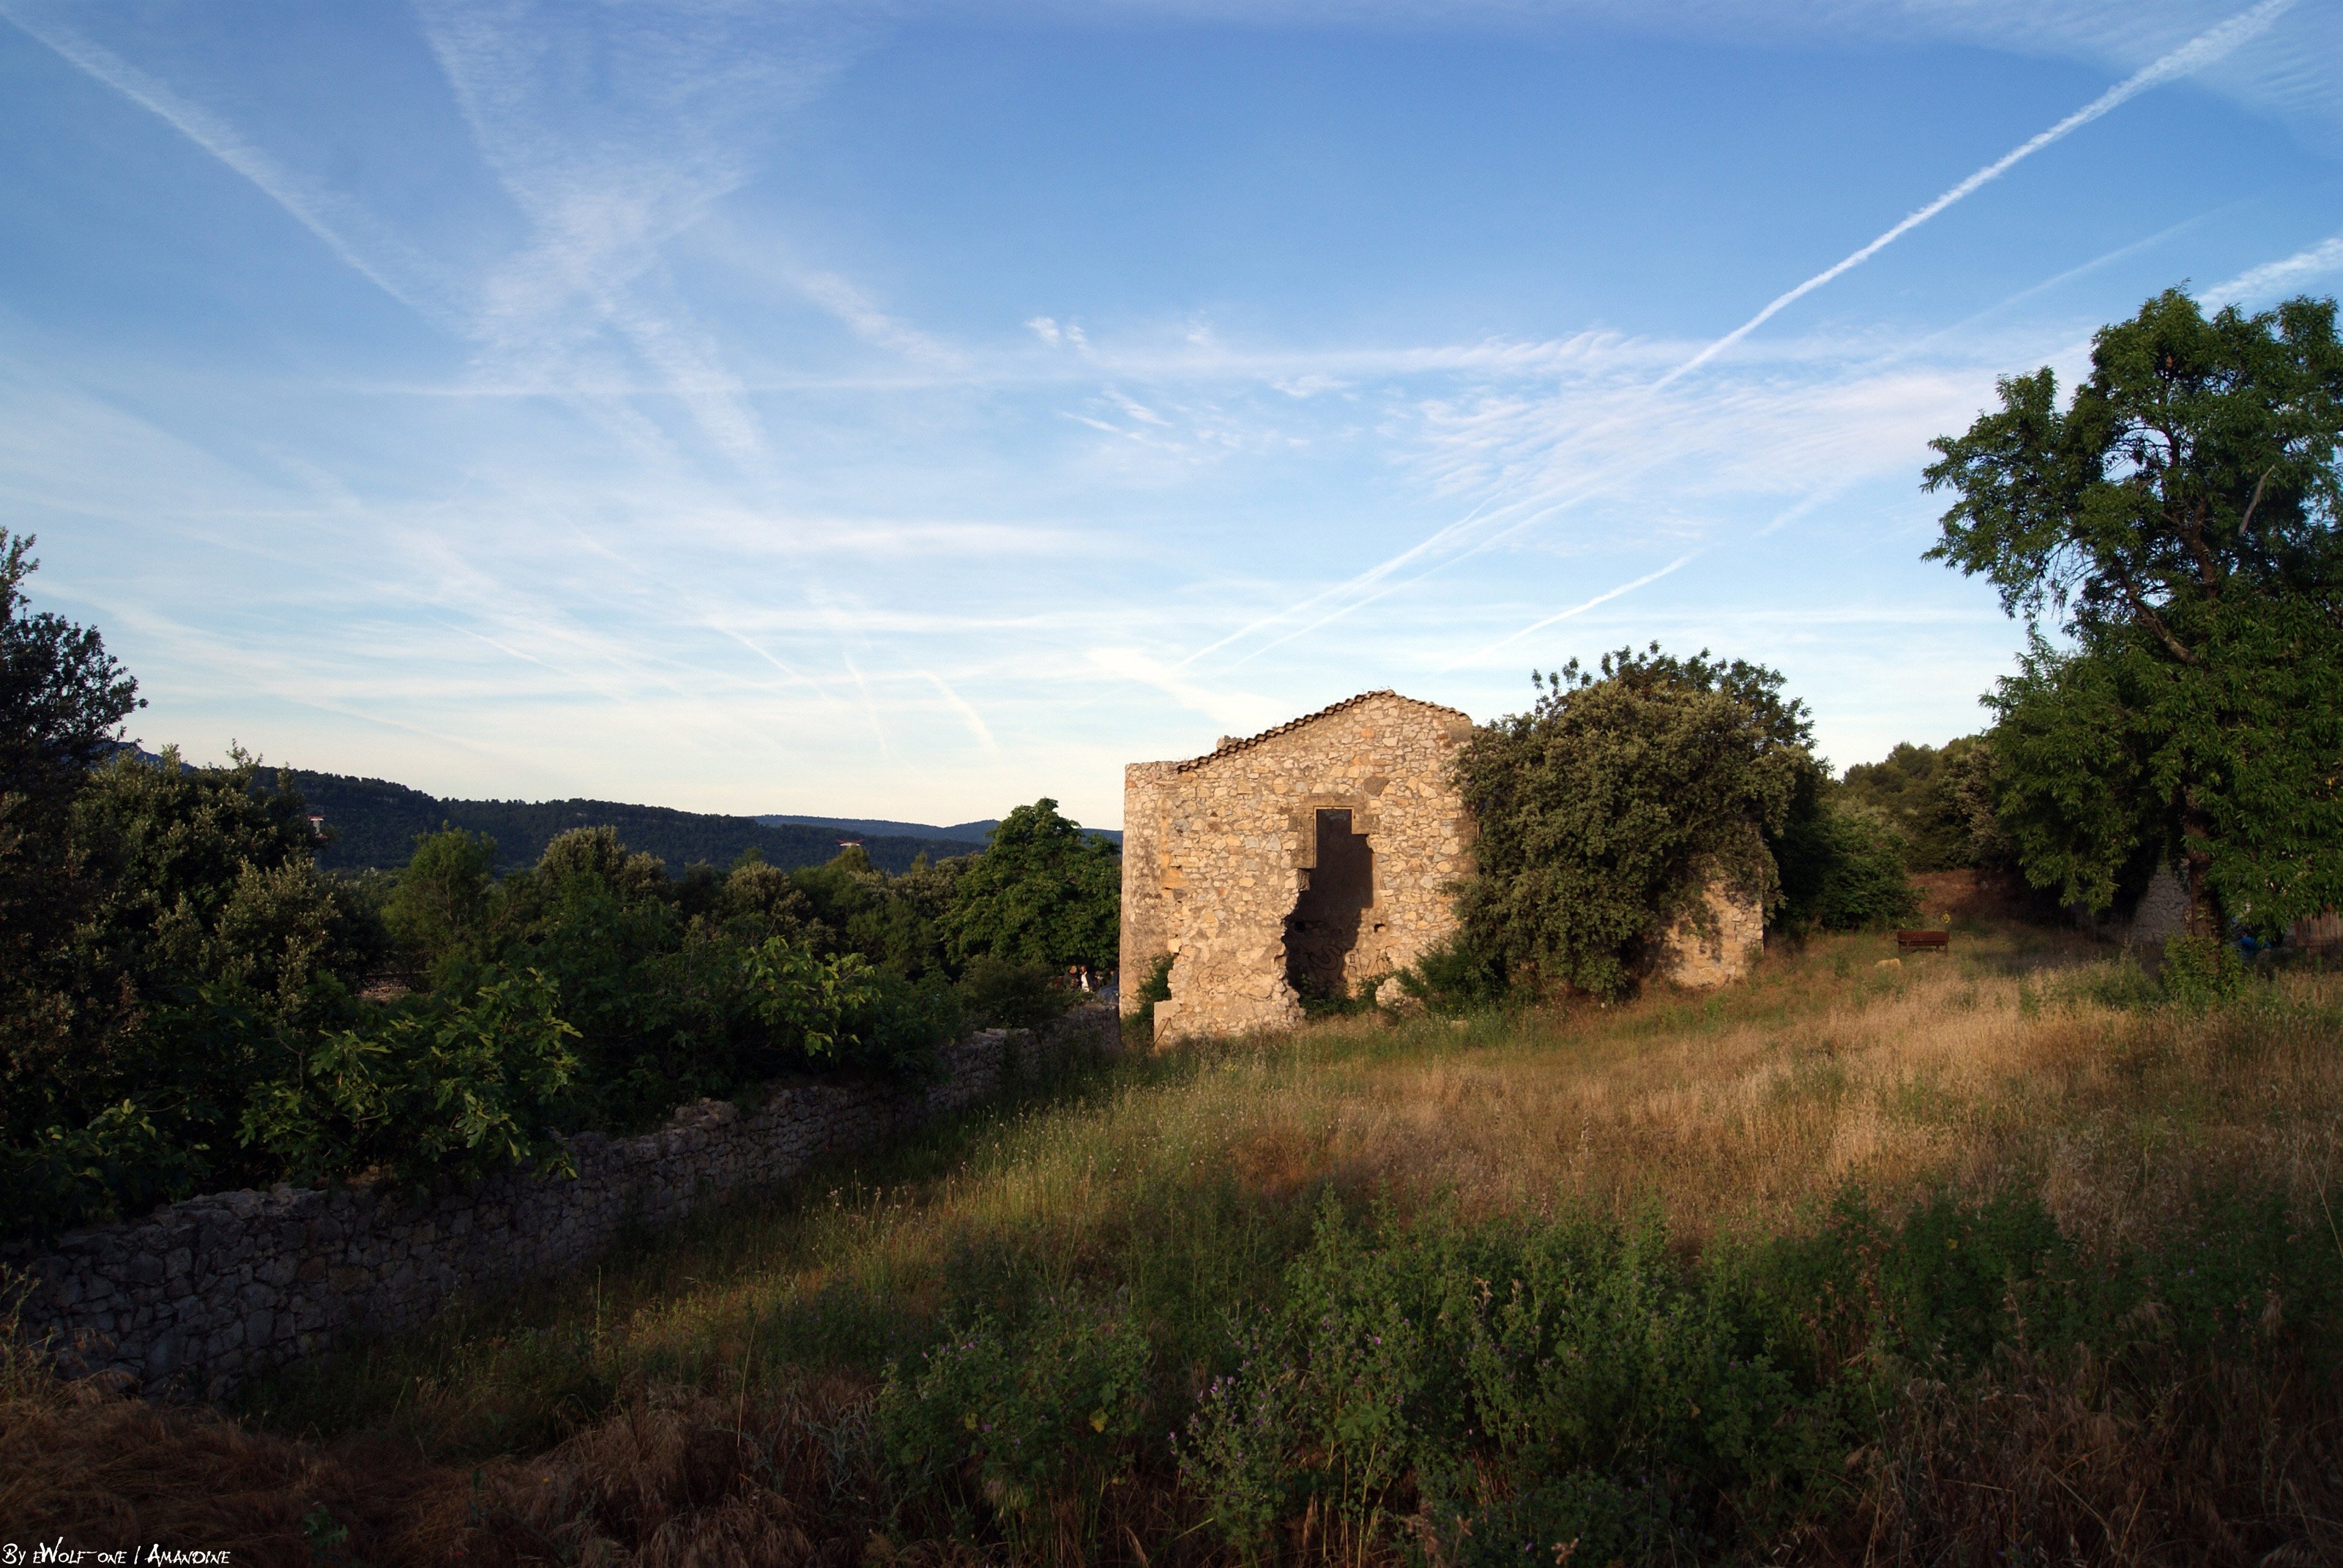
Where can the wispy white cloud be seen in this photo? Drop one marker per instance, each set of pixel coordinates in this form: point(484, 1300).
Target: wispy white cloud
point(355, 236)
point(2207, 47)
point(1575, 612)
point(969, 715)
point(861, 316)
point(2271, 279)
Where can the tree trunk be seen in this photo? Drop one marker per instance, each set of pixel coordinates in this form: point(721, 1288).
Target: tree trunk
point(2206, 916)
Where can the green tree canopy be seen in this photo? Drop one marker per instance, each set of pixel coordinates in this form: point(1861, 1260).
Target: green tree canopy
point(2179, 518)
point(1939, 799)
point(1606, 809)
point(63, 698)
point(1043, 892)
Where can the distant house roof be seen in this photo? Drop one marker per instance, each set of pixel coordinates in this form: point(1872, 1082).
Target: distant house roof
point(1228, 747)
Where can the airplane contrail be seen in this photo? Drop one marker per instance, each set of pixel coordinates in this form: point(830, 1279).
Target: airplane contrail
point(2208, 47)
point(2202, 50)
point(1601, 598)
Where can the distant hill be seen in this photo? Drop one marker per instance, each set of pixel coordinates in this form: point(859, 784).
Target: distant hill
point(375, 823)
point(970, 832)
point(977, 833)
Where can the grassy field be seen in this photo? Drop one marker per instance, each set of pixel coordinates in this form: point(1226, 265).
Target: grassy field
point(1991, 1257)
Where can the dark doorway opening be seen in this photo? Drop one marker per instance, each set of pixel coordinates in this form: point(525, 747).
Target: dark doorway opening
point(1324, 926)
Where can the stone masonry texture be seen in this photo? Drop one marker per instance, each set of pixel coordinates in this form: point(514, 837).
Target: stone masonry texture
point(1219, 854)
point(204, 1293)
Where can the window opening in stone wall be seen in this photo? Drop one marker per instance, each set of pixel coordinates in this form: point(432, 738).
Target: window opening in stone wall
point(1324, 926)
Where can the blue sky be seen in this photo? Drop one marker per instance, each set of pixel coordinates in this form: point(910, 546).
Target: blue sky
point(912, 409)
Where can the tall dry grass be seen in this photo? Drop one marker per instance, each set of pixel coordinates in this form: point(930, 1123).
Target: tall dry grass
point(704, 1396)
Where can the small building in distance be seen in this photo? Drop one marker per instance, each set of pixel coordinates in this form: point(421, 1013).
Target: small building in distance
point(1303, 860)
point(1310, 858)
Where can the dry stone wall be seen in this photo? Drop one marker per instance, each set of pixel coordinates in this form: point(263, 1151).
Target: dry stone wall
point(1219, 850)
point(204, 1293)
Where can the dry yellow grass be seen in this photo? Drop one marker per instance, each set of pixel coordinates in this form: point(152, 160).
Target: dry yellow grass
point(594, 1409)
point(1992, 1068)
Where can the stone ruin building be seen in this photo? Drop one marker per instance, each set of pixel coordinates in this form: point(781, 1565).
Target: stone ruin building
point(1311, 857)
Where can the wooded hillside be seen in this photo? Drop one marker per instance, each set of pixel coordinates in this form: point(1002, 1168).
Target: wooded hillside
point(375, 823)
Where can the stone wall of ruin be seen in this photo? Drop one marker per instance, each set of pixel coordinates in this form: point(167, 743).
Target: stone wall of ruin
point(1701, 959)
point(201, 1295)
point(1216, 851)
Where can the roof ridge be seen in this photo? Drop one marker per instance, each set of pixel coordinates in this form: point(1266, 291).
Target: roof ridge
point(1228, 747)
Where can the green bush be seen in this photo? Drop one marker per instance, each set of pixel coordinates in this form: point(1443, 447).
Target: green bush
point(1480, 1390)
point(1502, 1381)
point(1843, 868)
point(1006, 1425)
point(1452, 978)
point(2199, 972)
point(1155, 987)
point(1043, 893)
point(1606, 811)
point(451, 1086)
point(997, 992)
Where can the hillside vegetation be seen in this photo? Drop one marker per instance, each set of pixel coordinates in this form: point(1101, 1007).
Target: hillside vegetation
point(2007, 1252)
point(373, 826)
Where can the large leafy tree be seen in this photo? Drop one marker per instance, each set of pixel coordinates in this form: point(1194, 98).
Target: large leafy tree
point(2178, 519)
point(63, 698)
point(1606, 809)
point(1043, 892)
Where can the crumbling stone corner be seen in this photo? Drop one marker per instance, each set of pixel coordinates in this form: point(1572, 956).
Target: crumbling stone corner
point(1354, 803)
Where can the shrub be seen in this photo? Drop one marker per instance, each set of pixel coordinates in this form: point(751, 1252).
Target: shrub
point(1043, 893)
point(1155, 987)
point(2200, 971)
point(450, 1085)
point(438, 905)
point(1009, 1423)
point(1453, 977)
point(998, 992)
point(1606, 811)
point(1510, 1383)
point(1843, 868)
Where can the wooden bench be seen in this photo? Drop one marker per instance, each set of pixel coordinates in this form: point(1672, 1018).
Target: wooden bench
point(1922, 941)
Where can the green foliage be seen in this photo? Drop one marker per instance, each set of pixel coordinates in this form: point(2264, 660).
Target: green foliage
point(1008, 1426)
point(2200, 972)
point(63, 698)
point(683, 988)
point(119, 1163)
point(1155, 987)
point(197, 1024)
point(439, 903)
point(448, 1087)
point(130, 1038)
point(376, 823)
point(2181, 515)
point(896, 922)
point(1842, 866)
point(1941, 801)
point(1523, 1385)
point(1571, 1382)
point(1606, 811)
point(1454, 977)
point(1043, 892)
point(997, 992)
